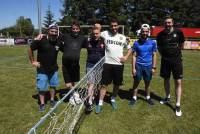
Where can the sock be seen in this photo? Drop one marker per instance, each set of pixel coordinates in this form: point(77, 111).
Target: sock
point(112, 99)
point(100, 102)
point(168, 96)
point(178, 104)
point(90, 101)
point(135, 97)
point(147, 97)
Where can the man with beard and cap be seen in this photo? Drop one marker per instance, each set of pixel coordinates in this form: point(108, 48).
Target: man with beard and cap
point(143, 64)
point(170, 42)
point(71, 47)
point(46, 64)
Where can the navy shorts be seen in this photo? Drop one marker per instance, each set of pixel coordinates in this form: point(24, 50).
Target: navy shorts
point(144, 72)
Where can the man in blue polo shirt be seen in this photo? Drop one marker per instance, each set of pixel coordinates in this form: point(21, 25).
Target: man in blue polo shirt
point(143, 64)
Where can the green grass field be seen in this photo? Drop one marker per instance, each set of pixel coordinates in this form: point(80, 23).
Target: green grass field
point(19, 109)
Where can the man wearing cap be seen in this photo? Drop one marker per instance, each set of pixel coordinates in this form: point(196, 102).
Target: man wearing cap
point(143, 26)
point(143, 64)
point(46, 64)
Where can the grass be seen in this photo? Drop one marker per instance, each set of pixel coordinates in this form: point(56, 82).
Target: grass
point(19, 109)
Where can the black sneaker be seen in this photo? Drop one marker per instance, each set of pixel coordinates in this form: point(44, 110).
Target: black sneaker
point(132, 102)
point(88, 107)
point(42, 107)
point(178, 111)
point(150, 101)
point(165, 101)
point(52, 103)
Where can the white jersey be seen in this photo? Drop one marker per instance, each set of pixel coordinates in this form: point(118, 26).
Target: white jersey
point(114, 46)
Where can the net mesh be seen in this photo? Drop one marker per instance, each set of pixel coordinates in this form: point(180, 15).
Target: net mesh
point(63, 117)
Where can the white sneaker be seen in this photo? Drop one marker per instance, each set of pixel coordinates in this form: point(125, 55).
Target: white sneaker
point(178, 111)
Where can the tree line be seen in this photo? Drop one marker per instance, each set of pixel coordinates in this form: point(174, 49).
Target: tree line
point(131, 13)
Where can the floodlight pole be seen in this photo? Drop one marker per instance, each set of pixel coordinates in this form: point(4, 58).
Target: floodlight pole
point(39, 16)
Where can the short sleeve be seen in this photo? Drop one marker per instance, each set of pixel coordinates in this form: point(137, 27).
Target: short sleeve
point(35, 45)
point(154, 46)
point(85, 42)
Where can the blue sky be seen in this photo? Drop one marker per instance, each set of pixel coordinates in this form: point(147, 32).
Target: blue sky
point(10, 10)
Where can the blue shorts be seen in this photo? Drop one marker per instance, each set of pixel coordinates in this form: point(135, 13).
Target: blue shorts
point(45, 80)
point(91, 76)
point(144, 72)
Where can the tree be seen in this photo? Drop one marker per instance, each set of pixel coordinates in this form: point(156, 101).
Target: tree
point(24, 26)
point(48, 19)
point(132, 13)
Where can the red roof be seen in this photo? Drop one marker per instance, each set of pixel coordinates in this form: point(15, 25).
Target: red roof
point(188, 32)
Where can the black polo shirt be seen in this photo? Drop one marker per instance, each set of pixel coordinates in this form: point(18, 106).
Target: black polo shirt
point(47, 52)
point(95, 50)
point(170, 44)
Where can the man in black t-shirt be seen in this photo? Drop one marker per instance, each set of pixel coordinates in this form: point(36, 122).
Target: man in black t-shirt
point(170, 42)
point(46, 64)
point(71, 47)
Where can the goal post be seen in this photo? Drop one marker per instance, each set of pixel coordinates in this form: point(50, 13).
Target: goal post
point(89, 27)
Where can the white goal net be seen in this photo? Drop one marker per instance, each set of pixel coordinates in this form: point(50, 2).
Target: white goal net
point(63, 117)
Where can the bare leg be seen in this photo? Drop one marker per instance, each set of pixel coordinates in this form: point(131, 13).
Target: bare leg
point(102, 93)
point(90, 92)
point(69, 85)
point(52, 94)
point(135, 85)
point(41, 96)
point(147, 87)
point(178, 91)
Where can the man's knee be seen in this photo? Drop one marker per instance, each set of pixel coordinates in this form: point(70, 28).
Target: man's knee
point(104, 87)
point(68, 85)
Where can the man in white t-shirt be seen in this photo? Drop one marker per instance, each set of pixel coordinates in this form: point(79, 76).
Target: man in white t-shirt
point(114, 59)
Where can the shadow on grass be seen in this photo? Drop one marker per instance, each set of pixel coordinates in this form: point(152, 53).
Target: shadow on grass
point(47, 97)
point(61, 93)
point(124, 94)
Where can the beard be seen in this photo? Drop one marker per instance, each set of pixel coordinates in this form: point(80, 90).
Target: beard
point(75, 34)
point(52, 37)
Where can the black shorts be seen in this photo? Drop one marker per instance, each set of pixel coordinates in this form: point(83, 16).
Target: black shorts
point(174, 66)
point(71, 71)
point(112, 73)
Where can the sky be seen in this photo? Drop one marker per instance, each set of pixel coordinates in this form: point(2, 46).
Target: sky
point(10, 10)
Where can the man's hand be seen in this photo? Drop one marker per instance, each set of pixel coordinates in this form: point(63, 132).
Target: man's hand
point(123, 59)
point(36, 64)
point(153, 71)
point(128, 39)
point(134, 72)
point(39, 37)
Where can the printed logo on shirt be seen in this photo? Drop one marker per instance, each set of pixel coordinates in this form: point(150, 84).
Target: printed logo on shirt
point(114, 42)
point(120, 38)
point(102, 45)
